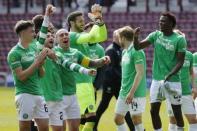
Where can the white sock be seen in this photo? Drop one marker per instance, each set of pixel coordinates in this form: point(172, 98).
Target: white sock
point(139, 127)
point(172, 127)
point(122, 127)
point(180, 128)
point(159, 129)
point(192, 127)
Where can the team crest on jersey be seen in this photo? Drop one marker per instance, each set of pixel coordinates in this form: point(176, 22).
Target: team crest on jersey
point(125, 59)
point(91, 107)
point(25, 116)
point(12, 59)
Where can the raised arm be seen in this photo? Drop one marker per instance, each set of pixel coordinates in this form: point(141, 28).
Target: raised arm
point(96, 34)
point(140, 44)
point(44, 27)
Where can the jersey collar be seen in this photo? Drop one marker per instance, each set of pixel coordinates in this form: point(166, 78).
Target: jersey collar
point(20, 45)
point(130, 47)
point(61, 49)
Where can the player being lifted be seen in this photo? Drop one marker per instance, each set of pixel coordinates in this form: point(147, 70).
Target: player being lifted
point(71, 107)
point(79, 40)
point(132, 95)
point(169, 52)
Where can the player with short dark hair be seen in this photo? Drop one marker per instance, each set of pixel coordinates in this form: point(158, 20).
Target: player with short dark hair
point(169, 54)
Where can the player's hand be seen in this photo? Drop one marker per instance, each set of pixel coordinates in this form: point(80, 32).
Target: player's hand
point(51, 55)
point(39, 60)
point(194, 92)
point(137, 32)
point(167, 78)
point(96, 13)
point(106, 60)
point(50, 9)
point(92, 72)
point(129, 98)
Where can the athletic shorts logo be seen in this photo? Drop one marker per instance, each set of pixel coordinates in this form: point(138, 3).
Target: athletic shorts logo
point(91, 107)
point(25, 116)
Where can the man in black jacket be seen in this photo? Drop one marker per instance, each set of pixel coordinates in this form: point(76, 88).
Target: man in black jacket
point(112, 81)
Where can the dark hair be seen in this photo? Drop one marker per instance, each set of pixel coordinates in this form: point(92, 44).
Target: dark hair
point(72, 16)
point(171, 17)
point(22, 25)
point(37, 21)
point(88, 25)
point(126, 32)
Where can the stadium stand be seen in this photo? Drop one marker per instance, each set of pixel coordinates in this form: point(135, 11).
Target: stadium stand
point(147, 21)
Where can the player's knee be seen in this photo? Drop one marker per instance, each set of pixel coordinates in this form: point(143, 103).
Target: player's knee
point(57, 128)
point(191, 119)
point(73, 124)
point(172, 120)
point(119, 119)
point(25, 126)
point(44, 128)
point(64, 125)
point(137, 119)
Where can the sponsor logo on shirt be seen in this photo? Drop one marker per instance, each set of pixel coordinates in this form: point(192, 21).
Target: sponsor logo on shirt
point(167, 44)
point(30, 56)
point(125, 59)
point(25, 116)
point(91, 107)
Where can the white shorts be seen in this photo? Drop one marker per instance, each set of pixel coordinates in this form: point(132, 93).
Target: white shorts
point(187, 106)
point(55, 113)
point(171, 91)
point(195, 70)
point(195, 104)
point(135, 108)
point(31, 107)
point(71, 108)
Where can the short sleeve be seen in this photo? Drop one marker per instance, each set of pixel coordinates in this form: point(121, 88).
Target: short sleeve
point(139, 57)
point(181, 44)
point(152, 37)
point(14, 60)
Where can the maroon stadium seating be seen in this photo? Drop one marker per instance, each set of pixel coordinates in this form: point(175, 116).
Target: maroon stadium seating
point(148, 22)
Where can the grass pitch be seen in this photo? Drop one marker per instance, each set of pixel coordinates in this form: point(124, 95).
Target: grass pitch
point(8, 115)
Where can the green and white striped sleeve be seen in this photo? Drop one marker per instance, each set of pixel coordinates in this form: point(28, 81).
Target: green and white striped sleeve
point(75, 67)
point(43, 33)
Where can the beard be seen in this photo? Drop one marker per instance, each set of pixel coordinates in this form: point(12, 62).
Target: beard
point(78, 28)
